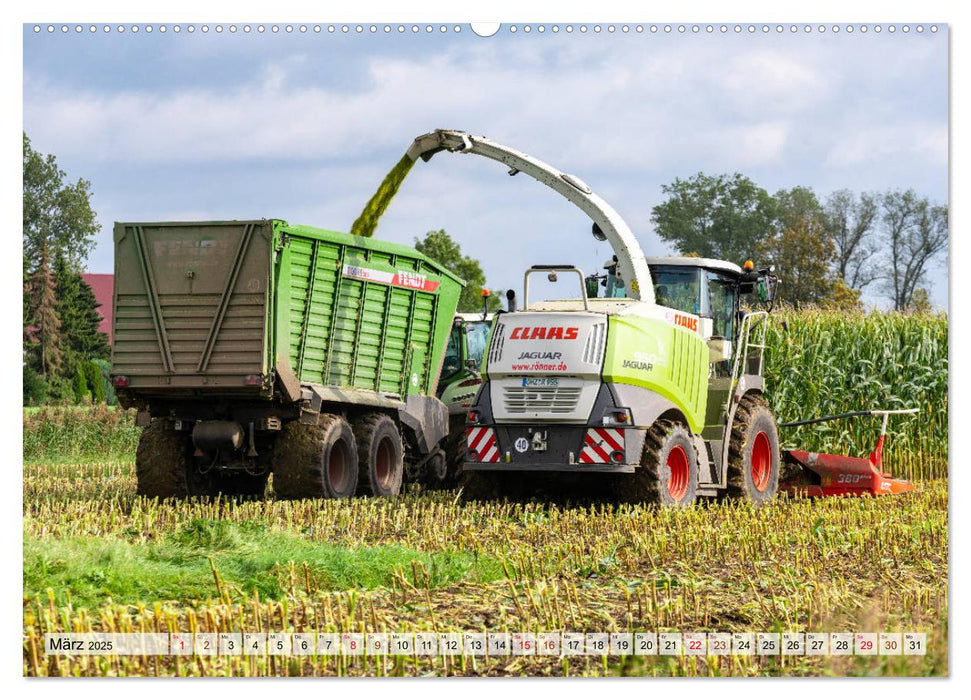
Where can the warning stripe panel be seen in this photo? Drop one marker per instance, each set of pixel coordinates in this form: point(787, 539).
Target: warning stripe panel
point(482, 445)
point(599, 443)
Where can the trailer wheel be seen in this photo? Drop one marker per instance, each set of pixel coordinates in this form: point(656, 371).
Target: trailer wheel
point(753, 452)
point(668, 473)
point(381, 466)
point(161, 462)
point(316, 461)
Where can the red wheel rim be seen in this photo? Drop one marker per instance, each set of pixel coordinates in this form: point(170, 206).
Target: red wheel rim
point(337, 468)
point(678, 474)
point(761, 462)
point(384, 463)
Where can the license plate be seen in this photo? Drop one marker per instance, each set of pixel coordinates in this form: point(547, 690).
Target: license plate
point(540, 381)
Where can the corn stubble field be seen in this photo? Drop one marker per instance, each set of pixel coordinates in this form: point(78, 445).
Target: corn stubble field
point(97, 558)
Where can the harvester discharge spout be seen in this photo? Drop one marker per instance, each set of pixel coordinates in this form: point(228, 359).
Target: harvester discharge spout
point(631, 263)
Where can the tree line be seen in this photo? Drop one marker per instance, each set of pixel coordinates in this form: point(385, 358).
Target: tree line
point(65, 355)
point(825, 251)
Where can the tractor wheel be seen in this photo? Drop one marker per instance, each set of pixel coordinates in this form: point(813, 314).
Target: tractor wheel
point(381, 466)
point(161, 462)
point(316, 461)
point(753, 452)
point(455, 451)
point(668, 473)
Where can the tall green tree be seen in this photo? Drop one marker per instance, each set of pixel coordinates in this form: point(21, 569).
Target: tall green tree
point(42, 326)
point(57, 213)
point(77, 309)
point(440, 247)
point(800, 248)
point(720, 216)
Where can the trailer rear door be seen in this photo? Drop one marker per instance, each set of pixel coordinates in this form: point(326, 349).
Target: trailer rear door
point(191, 306)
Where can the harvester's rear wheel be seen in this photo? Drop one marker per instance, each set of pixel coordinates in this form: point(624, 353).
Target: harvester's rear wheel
point(668, 473)
point(381, 465)
point(753, 452)
point(316, 461)
point(161, 461)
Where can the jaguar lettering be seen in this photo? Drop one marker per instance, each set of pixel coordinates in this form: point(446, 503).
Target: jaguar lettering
point(541, 356)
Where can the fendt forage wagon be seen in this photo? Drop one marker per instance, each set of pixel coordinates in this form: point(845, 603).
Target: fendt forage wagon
point(251, 347)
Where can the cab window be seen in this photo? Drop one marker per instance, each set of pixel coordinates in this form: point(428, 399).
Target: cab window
point(677, 287)
point(721, 300)
point(476, 335)
point(453, 353)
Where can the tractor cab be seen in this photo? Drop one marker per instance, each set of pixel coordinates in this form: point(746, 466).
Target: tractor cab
point(462, 364)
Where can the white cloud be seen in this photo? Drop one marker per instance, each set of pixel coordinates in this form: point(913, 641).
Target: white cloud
point(639, 99)
point(869, 144)
point(626, 115)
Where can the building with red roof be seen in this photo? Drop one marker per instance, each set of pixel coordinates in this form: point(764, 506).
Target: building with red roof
point(103, 287)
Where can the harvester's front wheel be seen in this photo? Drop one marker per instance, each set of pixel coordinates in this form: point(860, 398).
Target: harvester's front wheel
point(668, 473)
point(316, 461)
point(381, 465)
point(161, 462)
point(753, 452)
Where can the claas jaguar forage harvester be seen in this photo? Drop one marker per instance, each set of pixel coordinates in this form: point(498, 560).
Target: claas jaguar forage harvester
point(650, 375)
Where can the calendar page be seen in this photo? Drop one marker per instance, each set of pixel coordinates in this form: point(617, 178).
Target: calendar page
point(429, 348)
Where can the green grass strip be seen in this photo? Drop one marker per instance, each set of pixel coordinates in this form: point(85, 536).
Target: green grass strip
point(247, 555)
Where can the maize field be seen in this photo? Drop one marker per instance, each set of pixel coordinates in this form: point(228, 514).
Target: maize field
point(828, 362)
point(98, 558)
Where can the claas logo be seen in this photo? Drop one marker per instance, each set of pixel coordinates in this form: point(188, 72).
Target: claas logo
point(689, 322)
point(544, 333)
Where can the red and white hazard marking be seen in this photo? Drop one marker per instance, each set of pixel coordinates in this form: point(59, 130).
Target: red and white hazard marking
point(482, 445)
point(599, 443)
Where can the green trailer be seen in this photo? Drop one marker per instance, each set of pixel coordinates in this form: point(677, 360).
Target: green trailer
point(251, 347)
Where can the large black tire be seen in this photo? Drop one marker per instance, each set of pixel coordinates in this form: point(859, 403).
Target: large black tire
point(753, 452)
point(456, 449)
point(668, 472)
point(316, 461)
point(161, 462)
point(381, 466)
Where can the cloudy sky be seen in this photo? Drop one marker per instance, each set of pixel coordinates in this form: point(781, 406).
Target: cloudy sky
point(304, 127)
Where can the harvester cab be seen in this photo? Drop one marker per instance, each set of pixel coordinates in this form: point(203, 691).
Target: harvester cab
point(621, 384)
